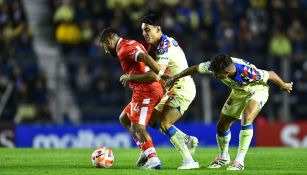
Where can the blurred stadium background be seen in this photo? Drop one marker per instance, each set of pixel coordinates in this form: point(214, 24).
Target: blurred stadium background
point(58, 89)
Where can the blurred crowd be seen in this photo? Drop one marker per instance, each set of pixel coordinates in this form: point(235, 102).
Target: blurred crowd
point(20, 77)
point(264, 32)
point(261, 31)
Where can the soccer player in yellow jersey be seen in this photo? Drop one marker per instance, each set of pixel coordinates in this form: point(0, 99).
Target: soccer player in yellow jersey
point(171, 59)
point(249, 93)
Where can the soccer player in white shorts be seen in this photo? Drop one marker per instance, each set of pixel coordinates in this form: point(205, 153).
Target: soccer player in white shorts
point(249, 93)
point(171, 58)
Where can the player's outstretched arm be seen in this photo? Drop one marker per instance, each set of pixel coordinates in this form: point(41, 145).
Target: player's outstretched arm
point(144, 78)
point(279, 82)
point(189, 71)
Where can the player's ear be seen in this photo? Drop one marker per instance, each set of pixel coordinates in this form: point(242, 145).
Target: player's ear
point(158, 28)
point(108, 41)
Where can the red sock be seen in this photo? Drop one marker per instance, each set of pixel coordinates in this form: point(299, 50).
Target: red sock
point(149, 149)
point(137, 142)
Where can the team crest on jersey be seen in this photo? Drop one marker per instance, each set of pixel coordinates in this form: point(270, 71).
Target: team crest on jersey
point(163, 45)
point(250, 74)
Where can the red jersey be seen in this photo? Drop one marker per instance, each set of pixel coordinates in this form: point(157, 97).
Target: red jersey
point(127, 51)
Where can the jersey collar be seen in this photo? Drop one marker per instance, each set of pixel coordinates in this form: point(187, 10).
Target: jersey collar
point(238, 73)
point(120, 40)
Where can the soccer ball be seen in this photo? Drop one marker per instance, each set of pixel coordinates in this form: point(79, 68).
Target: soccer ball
point(102, 157)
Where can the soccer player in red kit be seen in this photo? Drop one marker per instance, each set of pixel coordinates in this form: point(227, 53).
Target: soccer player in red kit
point(134, 59)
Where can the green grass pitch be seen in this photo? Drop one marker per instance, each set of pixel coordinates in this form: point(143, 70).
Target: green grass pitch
point(78, 161)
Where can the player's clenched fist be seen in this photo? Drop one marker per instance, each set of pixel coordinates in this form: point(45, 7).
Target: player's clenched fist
point(287, 87)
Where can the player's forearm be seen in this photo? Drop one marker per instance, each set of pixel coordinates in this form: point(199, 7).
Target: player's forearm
point(189, 71)
point(145, 78)
point(149, 62)
point(276, 79)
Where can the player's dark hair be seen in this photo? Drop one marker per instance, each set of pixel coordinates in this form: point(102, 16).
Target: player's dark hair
point(152, 18)
point(220, 62)
point(108, 32)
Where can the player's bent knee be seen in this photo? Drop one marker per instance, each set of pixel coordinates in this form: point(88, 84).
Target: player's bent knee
point(222, 126)
point(164, 125)
point(139, 128)
point(247, 119)
point(124, 121)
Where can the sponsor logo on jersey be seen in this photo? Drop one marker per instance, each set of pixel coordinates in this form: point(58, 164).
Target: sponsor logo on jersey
point(162, 51)
point(164, 58)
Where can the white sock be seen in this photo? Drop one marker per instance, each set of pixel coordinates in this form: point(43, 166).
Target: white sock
point(223, 139)
point(179, 144)
point(246, 135)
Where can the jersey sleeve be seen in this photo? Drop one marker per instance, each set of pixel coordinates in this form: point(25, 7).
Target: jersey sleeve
point(139, 48)
point(204, 68)
point(263, 75)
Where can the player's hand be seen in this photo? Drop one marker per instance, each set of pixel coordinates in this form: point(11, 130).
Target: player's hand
point(169, 83)
point(166, 76)
point(287, 87)
point(124, 79)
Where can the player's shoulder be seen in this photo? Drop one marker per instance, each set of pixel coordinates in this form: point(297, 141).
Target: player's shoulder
point(240, 61)
point(129, 42)
point(128, 48)
point(127, 45)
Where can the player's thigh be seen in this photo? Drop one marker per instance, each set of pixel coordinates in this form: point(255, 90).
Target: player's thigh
point(155, 118)
point(170, 115)
point(125, 116)
point(179, 100)
point(234, 105)
point(254, 105)
point(124, 120)
point(250, 112)
point(225, 122)
point(141, 110)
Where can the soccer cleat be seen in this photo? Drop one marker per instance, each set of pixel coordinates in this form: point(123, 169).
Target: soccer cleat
point(152, 163)
point(189, 165)
point(192, 144)
point(235, 166)
point(141, 160)
point(219, 162)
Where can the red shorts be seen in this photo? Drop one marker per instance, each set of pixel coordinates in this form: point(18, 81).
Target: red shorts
point(140, 108)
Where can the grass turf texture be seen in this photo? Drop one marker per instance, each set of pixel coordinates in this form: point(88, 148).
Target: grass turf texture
point(78, 161)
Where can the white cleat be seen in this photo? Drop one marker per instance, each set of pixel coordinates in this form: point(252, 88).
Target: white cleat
point(152, 163)
point(141, 160)
point(236, 166)
point(219, 162)
point(192, 144)
point(189, 166)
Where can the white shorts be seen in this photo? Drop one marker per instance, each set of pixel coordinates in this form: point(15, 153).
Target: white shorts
point(237, 101)
point(178, 98)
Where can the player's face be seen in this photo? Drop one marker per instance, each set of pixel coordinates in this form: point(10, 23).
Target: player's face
point(151, 33)
point(109, 48)
point(221, 74)
point(225, 72)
